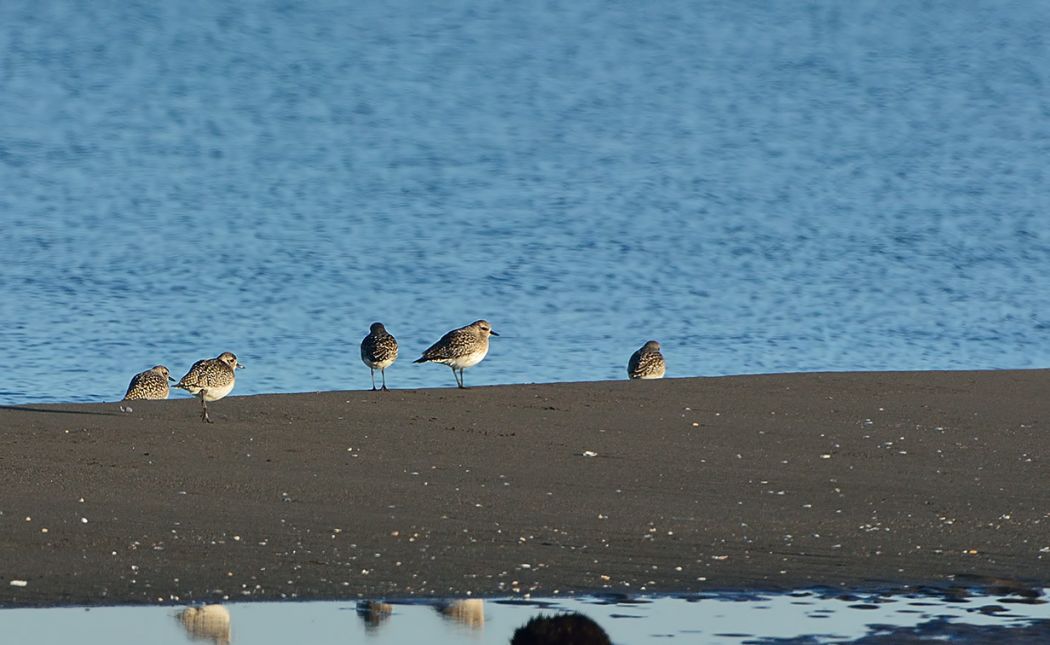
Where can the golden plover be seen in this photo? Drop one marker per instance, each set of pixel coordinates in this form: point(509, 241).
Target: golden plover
point(211, 379)
point(460, 348)
point(647, 362)
point(378, 351)
point(151, 384)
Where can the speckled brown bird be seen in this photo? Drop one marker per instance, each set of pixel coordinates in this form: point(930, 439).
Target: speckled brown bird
point(378, 351)
point(460, 348)
point(211, 379)
point(647, 362)
point(151, 384)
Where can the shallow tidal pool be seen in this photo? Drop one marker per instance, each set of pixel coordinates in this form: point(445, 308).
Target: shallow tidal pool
point(810, 616)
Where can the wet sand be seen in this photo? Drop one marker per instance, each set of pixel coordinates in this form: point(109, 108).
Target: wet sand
point(757, 482)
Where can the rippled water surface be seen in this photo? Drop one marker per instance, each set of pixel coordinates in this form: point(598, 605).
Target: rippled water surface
point(802, 617)
point(761, 186)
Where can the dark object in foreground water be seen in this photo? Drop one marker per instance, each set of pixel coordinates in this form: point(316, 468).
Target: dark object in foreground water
point(564, 629)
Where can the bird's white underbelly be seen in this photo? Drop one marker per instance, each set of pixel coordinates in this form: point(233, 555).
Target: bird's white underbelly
point(216, 393)
point(466, 360)
point(379, 365)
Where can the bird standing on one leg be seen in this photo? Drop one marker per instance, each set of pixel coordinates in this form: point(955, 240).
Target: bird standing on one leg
point(151, 384)
point(378, 351)
point(211, 379)
point(460, 348)
point(647, 362)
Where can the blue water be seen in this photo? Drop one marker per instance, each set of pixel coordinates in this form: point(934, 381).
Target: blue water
point(802, 618)
point(760, 186)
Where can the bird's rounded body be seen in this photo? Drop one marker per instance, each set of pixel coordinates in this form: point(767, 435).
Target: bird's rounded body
point(647, 362)
point(460, 348)
point(378, 351)
point(214, 377)
point(211, 379)
point(461, 361)
point(149, 385)
point(379, 348)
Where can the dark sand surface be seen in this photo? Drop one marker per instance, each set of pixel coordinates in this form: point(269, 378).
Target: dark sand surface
point(780, 481)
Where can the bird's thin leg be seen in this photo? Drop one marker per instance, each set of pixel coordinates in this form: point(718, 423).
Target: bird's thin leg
point(382, 372)
point(461, 385)
point(455, 376)
point(373, 371)
point(204, 407)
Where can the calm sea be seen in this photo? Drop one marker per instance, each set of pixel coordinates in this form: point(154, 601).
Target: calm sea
point(761, 186)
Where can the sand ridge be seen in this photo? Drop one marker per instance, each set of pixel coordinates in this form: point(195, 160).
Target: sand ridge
point(768, 481)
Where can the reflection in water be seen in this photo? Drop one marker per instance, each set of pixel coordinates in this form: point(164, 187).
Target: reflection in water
point(209, 622)
point(1005, 613)
point(470, 612)
point(374, 613)
point(563, 629)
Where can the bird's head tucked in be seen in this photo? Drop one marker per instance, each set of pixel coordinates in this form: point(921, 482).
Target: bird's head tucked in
point(163, 371)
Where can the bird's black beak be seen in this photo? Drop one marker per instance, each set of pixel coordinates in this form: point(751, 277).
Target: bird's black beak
point(493, 333)
point(172, 379)
point(240, 366)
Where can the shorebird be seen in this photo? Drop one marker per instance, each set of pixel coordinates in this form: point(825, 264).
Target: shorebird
point(647, 362)
point(378, 351)
point(151, 384)
point(211, 379)
point(460, 348)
